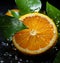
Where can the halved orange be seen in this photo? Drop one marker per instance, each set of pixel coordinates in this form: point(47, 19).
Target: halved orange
point(9, 13)
point(40, 36)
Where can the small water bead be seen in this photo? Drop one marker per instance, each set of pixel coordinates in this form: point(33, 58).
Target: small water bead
point(56, 49)
point(7, 44)
point(14, 49)
point(10, 55)
point(58, 22)
point(1, 61)
point(19, 62)
point(57, 25)
point(12, 44)
point(7, 39)
point(27, 61)
point(4, 44)
point(6, 54)
point(20, 59)
point(16, 58)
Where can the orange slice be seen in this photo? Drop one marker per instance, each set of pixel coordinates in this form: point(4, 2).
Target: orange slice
point(9, 13)
point(40, 36)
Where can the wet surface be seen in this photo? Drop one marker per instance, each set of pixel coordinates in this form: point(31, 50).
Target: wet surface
point(9, 54)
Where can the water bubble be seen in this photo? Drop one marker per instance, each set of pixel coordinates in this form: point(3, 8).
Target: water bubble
point(19, 62)
point(27, 61)
point(20, 59)
point(10, 55)
point(1, 61)
point(16, 58)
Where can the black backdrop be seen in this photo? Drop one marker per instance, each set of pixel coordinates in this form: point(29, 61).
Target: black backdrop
point(8, 4)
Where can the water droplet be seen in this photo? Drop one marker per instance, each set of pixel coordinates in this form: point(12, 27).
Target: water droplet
point(20, 59)
point(6, 53)
point(19, 62)
point(1, 61)
point(14, 49)
point(16, 58)
point(57, 25)
point(7, 39)
point(10, 55)
point(27, 61)
point(7, 44)
point(56, 49)
point(58, 21)
point(11, 44)
point(3, 43)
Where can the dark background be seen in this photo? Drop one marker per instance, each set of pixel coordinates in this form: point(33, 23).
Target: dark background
point(9, 4)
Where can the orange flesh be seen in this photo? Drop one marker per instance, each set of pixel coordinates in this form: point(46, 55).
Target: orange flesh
point(38, 35)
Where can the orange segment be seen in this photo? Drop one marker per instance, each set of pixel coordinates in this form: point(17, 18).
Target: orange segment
point(40, 35)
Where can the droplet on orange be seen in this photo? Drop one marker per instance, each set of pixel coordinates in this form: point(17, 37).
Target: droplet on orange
point(40, 36)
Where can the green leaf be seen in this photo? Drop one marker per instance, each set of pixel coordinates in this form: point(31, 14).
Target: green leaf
point(28, 6)
point(10, 25)
point(54, 13)
point(14, 13)
point(57, 59)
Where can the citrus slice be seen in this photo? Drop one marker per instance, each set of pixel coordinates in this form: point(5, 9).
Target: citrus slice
point(40, 36)
point(9, 13)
